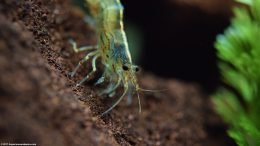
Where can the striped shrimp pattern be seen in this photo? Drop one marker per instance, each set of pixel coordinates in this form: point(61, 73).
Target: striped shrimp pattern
point(112, 49)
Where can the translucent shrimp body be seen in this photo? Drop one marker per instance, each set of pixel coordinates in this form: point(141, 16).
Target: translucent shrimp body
point(112, 49)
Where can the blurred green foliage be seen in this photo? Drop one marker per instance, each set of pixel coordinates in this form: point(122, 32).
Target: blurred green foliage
point(239, 53)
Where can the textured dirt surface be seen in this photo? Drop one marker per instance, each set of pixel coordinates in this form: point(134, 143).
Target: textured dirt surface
point(40, 104)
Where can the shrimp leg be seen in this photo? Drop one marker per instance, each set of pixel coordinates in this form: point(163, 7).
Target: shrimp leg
point(94, 69)
point(111, 90)
point(100, 80)
point(111, 87)
point(86, 58)
point(83, 48)
point(118, 101)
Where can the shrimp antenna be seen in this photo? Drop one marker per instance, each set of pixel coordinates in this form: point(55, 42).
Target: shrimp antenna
point(139, 103)
point(148, 90)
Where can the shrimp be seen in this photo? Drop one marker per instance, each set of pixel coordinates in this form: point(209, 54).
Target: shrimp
point(112, 49)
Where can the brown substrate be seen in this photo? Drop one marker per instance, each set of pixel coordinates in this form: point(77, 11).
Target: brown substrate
point(40, 104)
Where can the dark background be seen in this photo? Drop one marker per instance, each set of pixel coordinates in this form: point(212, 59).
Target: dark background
point(178, 39)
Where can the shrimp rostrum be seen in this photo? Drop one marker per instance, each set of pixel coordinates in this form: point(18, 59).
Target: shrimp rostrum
point(112, 50)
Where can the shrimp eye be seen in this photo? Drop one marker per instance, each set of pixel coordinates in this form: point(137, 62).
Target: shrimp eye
point(125, 68)
point(137, 69)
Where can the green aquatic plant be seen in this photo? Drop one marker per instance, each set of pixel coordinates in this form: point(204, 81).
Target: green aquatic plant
point(239, 53)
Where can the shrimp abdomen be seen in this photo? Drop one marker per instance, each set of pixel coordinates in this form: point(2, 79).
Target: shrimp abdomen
point(108, 13)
